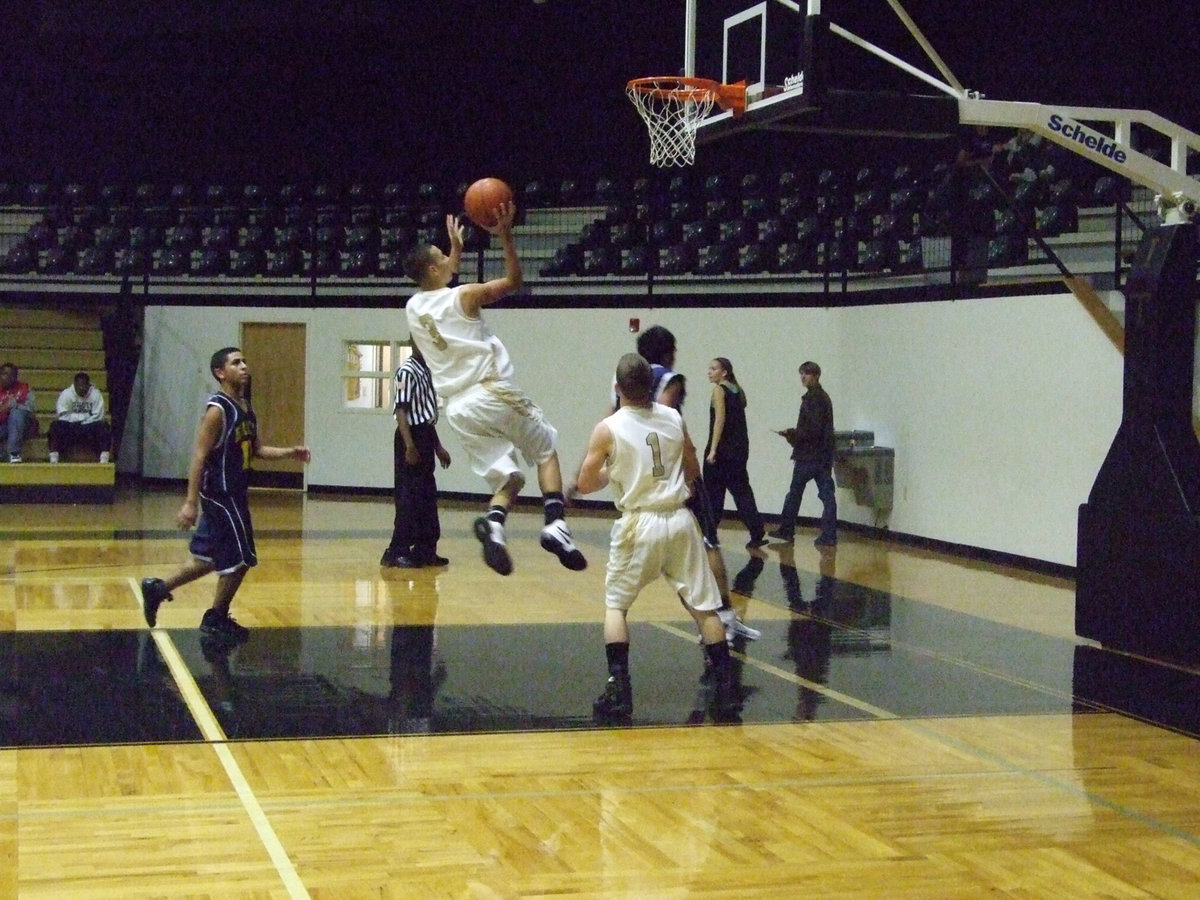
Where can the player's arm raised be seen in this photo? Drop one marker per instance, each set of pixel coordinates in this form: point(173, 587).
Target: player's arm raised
point(476, 296)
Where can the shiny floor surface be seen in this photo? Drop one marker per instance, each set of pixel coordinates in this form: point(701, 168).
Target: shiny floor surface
point(901, 707)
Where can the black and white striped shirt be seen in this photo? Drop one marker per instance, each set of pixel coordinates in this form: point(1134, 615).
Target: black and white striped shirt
point(414, 392)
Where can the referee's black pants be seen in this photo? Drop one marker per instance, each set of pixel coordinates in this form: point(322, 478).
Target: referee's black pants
point(416, 529)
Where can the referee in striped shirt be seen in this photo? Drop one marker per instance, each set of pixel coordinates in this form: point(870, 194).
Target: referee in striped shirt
point(416, 530)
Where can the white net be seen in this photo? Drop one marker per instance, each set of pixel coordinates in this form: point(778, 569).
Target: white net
point(671, 110)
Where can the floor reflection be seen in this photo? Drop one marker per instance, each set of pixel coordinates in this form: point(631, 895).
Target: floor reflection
point(841, 651)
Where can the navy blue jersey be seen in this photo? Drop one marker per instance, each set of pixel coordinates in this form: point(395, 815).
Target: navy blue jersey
point(227, 462)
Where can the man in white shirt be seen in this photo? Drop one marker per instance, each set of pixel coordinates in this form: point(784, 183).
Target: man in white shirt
point(644, 453)
point(492, 416)
point(79, 420)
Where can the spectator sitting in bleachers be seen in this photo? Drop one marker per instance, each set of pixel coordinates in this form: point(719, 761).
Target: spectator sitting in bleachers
point(1023, 157)
point(17, 419)
point(79, 420)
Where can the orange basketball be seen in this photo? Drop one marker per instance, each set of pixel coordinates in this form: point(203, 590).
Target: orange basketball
point(482, 198)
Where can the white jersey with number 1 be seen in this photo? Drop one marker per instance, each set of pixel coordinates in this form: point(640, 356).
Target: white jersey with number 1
point(461, 351)
point(645, 468)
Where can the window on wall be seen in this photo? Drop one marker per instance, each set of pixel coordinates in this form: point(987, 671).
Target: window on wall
point(369, 370)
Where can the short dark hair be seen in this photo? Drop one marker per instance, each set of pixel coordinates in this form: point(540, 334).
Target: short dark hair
point(220, 358)
point(810, 368)
point(12, 366)
point(635, 379)
point(655, 344)
point(416, 261)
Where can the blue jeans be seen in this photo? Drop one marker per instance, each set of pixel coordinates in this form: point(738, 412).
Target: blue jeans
point(18, 422)
point(802, 473)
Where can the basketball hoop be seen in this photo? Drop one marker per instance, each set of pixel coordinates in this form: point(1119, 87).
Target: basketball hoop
point(672, 106)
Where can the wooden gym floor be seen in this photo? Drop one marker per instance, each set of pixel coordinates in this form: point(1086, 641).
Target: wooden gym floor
point(915, 725)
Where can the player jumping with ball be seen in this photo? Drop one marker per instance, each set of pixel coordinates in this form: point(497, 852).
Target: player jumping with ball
point(472, 372)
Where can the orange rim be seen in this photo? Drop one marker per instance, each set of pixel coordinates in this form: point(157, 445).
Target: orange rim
point(682, 87)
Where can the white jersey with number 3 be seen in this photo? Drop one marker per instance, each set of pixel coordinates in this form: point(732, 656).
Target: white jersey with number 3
point(461, 351)
point(645, 468)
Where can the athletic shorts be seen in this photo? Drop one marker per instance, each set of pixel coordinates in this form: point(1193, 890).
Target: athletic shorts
point(647, 544)
point(496, 420)
point(225, 536)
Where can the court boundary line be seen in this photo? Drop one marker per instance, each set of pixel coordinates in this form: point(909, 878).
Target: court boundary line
point(215, 737)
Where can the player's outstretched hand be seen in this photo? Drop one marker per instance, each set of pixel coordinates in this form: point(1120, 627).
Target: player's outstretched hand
point(505, 213)
point(454, 228)
point(302, 453)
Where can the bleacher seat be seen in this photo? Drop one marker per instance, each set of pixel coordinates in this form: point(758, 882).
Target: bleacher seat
point(211, 261)
point(19, 259)
point(322, 261)
point(910, 259)
point(1108, 190)
point(719, 209)
point(391, 265)
point(283, 262)
point(1007, 250)
point(42, 236)
point(216, 237)
point(664, 232)
point(287, 237)
point(325, 193)
point(566, 261)
point(328, 237)
point(752, 185)
point(396, 240)
point(87, 216)
point(675, 259)
point(1053, 220)
point(772, 230)
point(397, 217)
point(181, 237)
point(833, 256)
point(717, 187)
point(538, 194)
point(571, 192)
point(736, 231)
point(132, 260)
point(361, 238)
point(254, 196)
point(253, 237)
point(181, 194)
point(879, 255)
point(94, 260)
point(626, 234)
point(696, 232)
point(358, 263)
point(598, 261)
point(38, 193)
point(754, 258)
point(793, 206)
point(173, 261)
point(245, 262)
point(111, 194)
point(755, 207)
point(71, 238)
point(607, 192)
point(56, 261)
point(713, 259)
point(634, 260)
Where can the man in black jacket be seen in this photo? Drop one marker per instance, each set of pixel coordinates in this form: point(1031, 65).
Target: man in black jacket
point(812, 460)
